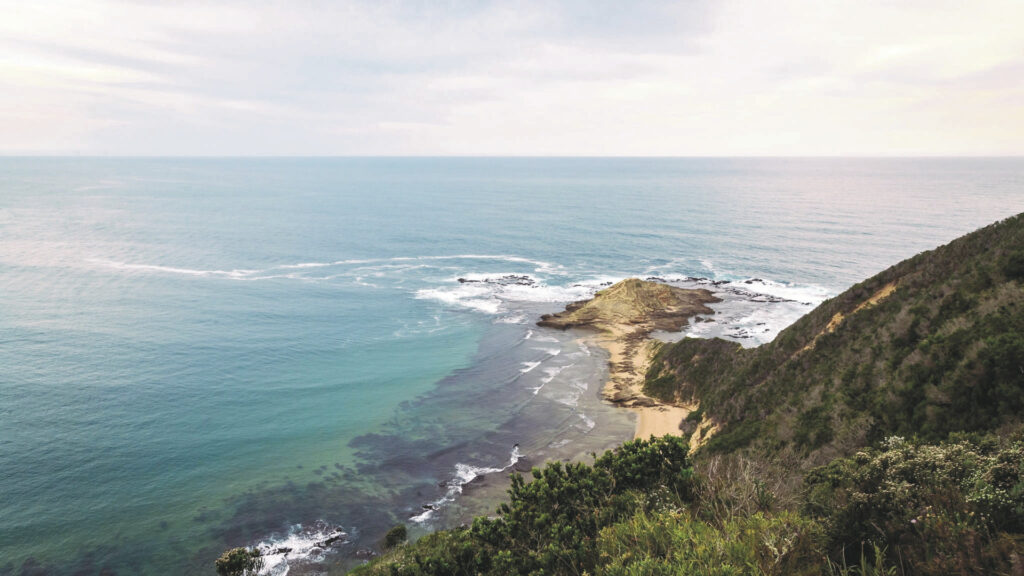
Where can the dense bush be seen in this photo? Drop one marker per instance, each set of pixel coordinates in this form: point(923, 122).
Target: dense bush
point(953, 508)
point(395, 536)
point(671, 543)
point(550, 525)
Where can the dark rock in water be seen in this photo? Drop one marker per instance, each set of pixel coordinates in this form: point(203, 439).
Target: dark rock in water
point(522, 465)
point(509, 280)
point(656, 279)
point(364, 553)
point(429, 507)
point(282, 550)
point(330, 540)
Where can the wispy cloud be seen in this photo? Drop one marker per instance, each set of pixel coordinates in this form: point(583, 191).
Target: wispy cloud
point(584, 77)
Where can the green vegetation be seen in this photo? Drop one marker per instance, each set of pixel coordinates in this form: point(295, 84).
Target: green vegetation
point(942, 352)
point(883, 433)
point(551, 524)
point(239, 562)
point(397, 535)
point(953, 508)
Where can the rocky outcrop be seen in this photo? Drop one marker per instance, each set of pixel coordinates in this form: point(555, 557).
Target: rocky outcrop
point(647, 306)
point(626, 314)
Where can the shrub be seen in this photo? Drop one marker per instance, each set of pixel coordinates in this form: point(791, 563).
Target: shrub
point(942, 509)
point(550, 525)
point(673, 543)
point(239, 562)
point(397, 535)
point(1013, 265)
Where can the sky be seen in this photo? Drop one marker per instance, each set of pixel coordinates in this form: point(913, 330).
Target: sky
point(590, 78)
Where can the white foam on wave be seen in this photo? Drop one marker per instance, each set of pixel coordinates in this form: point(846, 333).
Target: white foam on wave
point(488, 293)
point(274, 271)
point(745, 316)
point(299, 545)
point(710, 267)
point(529, 334)
point(237, 273)
point(550, 351)
point(464, 474)
point(472, 296)
point(550, 373)
point(529, 366)
point(587, 423)
point(305, 265)
point(550, 339)
point(803, 293)
point(553, 371)
point(513, 319)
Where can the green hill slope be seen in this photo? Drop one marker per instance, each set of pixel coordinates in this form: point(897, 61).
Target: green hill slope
point(933, 345)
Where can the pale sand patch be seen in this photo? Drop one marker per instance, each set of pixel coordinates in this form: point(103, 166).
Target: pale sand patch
point(629, 356)
point(659, 421)
point(838, 317)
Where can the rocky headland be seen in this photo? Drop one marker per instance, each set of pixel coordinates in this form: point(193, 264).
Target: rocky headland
point(625, 315)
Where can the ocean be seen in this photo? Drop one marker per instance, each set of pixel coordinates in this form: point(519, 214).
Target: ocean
point(197, 354)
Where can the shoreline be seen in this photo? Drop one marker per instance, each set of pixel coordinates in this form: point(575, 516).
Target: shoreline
point(629, 357)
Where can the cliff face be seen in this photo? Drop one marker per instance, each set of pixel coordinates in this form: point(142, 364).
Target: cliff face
point(933, 345)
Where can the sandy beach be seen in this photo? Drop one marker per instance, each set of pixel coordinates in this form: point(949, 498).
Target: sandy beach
point(629, 355)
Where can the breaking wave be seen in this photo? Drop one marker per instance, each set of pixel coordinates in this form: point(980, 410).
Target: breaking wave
point(464, 474)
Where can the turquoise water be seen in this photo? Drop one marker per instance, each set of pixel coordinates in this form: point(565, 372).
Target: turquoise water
point(200, 353)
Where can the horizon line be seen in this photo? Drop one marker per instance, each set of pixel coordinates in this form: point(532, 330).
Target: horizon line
point(511, 156)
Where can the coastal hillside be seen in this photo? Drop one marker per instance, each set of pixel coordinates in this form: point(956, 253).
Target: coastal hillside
point(931, 346)
point(880, 434)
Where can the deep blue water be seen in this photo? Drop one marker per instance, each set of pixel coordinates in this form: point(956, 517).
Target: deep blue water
point(198, 353)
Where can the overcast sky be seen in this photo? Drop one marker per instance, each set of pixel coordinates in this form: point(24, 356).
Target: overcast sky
point(780, 77)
